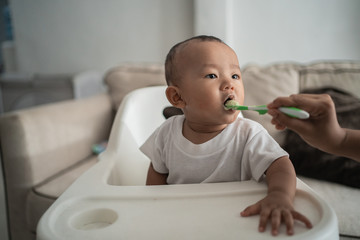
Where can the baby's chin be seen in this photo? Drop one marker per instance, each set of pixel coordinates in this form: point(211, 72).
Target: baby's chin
point(230, 118)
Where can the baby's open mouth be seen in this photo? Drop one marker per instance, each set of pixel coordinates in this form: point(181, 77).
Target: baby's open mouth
point(229, 102)
point(231, 97)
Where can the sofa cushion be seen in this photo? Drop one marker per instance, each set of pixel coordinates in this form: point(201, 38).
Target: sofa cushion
point(264, 84)
point(342, 75)
point(39, 142)
point(36, 206)
point(47, 139)
point(344, 201)
point(123, 79)
point(44, 194)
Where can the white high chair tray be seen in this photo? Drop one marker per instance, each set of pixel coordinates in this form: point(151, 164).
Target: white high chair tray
point(108, 201)
point(194, 211)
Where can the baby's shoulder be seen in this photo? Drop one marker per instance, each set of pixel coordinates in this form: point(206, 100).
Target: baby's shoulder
point(247, 129)
point(172, 122)
point(171, 125)
point(245, 123)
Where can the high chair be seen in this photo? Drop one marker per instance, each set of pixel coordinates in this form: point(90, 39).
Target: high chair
point(111, 201)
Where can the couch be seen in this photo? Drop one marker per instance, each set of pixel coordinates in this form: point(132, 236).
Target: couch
point(45, 148)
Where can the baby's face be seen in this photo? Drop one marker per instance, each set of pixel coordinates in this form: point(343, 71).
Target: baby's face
point(209, 75)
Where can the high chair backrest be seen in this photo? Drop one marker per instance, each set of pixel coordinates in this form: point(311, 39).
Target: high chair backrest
point(142, 111)
point(139, 114)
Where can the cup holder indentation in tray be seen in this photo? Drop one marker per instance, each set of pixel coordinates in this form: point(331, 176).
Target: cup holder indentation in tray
point(94, 219)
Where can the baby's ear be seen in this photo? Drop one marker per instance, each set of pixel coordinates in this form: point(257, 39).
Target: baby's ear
point(174, 96)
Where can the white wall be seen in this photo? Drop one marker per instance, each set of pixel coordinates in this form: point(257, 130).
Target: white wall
point(66, 36)
point(304, 30)
point(71, 36)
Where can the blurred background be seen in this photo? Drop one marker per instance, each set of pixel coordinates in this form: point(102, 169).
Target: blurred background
point(52, 37)
point(45, 43)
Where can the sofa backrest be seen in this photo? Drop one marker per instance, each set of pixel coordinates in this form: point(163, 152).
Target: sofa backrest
point(263, 84)
point(343, 75)
point(39, 142)
point(125, 78)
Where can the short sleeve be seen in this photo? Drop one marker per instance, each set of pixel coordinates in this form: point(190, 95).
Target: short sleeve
point(153, 149)
point(260, 152)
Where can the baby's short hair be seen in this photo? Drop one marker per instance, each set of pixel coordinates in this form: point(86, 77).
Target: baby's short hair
point(171, 74)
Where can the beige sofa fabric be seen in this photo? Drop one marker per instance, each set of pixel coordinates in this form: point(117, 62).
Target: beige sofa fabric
point(345, 202)
point(123, 79)
point(343, 75)
point(40, 142)
point(262, 85)
point(56, 185)
point(42, 196)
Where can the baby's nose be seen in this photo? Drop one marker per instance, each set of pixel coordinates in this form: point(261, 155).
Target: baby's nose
point(228, 85)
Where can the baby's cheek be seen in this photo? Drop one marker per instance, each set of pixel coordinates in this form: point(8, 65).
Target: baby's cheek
point(240, 96)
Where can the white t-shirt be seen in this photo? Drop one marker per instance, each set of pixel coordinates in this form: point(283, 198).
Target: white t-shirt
point(242, 151)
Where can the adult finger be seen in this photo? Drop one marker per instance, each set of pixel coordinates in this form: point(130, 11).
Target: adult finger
point(274, 121)
point(281, 121)
point(303, 101)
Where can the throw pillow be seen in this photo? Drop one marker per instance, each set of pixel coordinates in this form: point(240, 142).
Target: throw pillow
point(124, 79)
point(264, 84)
point(342, 75)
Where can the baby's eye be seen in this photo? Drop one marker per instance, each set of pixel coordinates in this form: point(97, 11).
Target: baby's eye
point(211, 76)
point(235, 76)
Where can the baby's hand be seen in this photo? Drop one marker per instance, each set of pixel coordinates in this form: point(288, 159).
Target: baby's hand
point(276, 207)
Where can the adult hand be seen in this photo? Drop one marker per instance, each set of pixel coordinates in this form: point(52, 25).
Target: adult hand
point(321, 130)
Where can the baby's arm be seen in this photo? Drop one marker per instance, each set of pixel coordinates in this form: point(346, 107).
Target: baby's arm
point(155, 178)
point(277, 206)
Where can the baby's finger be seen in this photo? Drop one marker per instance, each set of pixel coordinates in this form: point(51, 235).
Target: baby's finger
point(251, 210)
point(264, 216)
point(275, 221)
point(289, 222)
point(298, 216)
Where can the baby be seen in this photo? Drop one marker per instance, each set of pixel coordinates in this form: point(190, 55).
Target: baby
point(211, 144)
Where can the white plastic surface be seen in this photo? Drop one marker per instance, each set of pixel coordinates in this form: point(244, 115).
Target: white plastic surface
point(104, 203)
point(295, 112)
